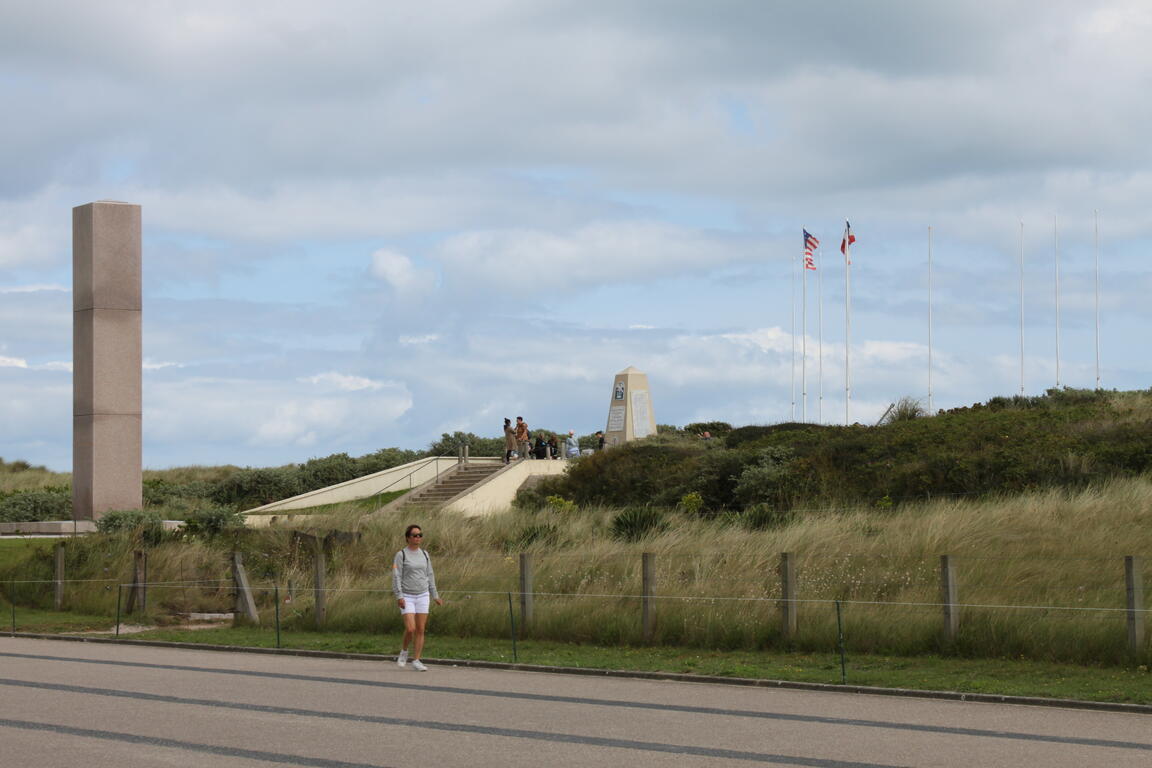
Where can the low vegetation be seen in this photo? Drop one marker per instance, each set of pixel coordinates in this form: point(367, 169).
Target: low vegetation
point(1036, 499)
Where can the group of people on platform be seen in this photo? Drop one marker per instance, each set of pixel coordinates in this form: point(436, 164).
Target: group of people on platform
point(519, 443)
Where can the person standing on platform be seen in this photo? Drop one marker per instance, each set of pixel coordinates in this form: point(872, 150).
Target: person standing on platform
point(571, 445)
point(414, 585)
point(509, 441)
point(522, 436)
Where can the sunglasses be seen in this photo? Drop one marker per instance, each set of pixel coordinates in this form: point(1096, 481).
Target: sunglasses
point(415, 535)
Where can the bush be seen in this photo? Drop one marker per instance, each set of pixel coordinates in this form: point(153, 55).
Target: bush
point(713, 428)
point(692, 503)
point(147, 526)
point(636, 523)
point(761, 517)
point(36, 505)
point(761, 481)
point(330, 470)
point(249, 488)
point(212, 521)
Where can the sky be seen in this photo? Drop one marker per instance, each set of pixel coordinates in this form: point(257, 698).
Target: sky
point(368, 223)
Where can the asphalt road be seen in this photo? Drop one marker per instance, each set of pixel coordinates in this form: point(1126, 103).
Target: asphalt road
point(85, 705)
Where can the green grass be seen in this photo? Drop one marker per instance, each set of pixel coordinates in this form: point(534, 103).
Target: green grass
point(16, 550)
point(1010, 677)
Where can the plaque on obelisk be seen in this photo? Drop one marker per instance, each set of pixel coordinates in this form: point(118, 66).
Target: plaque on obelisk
point(106, 359)
point(630, 415)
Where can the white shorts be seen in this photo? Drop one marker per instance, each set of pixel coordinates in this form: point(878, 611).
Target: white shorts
point(415, 603)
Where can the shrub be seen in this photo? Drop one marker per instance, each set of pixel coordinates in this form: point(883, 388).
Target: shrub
point(905, 409)
point(212, 521)
point(761, 517)
point(713, 428)
point(385, 458)
point(537, 533)
point(248, 488)
point(636, 523)
point(558, 503)
point(761, 481)
point(326, 471)
point(147, 526)
point(35, 505)
point(692, 503)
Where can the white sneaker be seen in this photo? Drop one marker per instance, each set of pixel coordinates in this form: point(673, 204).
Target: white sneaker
point(419, 665)
point(402, 659)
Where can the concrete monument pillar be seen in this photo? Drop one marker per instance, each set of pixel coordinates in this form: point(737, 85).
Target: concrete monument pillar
point(106, 359)
point(630, 414)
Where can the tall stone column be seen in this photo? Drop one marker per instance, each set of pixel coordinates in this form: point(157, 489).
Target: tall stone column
point(106, 359)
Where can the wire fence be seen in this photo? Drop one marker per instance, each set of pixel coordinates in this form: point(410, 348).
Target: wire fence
point(790, 614)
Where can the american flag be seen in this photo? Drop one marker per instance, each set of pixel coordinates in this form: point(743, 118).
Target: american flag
point(810, 244)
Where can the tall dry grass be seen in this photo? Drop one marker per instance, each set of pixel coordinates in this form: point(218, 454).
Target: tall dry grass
point(1041, 575)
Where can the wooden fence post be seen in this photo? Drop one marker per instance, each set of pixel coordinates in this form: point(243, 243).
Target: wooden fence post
point(948, 598)
point(58, 585)
point(245, 604)
point(526, 601)
point(647, 587)
point(788, 604)
point(138, 594)
point(1134, 593)
point(321, 571)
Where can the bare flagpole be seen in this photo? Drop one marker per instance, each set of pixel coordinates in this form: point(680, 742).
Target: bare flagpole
point(1056, 266)
point(792, 267)
point(1021, 308)
point(930, 411)
point(1096, 249)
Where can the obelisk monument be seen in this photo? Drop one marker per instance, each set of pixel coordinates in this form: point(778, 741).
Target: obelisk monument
point(106, 359)
point(630, 414)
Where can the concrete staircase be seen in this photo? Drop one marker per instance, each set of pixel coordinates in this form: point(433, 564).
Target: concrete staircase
point(452, 485)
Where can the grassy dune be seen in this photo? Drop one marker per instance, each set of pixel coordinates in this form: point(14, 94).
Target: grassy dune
point(1042, 574)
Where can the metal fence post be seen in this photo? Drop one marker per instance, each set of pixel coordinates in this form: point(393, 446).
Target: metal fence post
point(1134, 594)
point(276, 595)
point(647, 587)
point(788, 596)
point(948, 598)
point(58, 582)
point(526, 601)
point(512, 624)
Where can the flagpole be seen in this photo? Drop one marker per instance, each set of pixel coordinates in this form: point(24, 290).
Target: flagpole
point(930, 411)
point(804, 342)
point(847, 327)
point(792, 267)
point(1056, 266)
point(1021, 308)
point(820, 337)
point(1096, 250)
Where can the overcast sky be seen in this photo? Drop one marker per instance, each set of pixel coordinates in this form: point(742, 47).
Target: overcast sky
point(367, 223)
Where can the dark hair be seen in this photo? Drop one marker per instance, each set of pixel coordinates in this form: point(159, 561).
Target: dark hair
point(409, 529)
point(507, 421)
point(519, 418)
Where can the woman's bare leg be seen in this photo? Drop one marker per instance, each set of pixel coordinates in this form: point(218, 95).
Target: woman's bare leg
point(410, 630)
point(418, 632)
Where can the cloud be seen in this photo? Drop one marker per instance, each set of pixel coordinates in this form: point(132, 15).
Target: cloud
point(401, 274)
point(343, 382)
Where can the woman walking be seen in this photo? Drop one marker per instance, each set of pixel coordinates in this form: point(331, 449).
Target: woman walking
point(414, 584)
